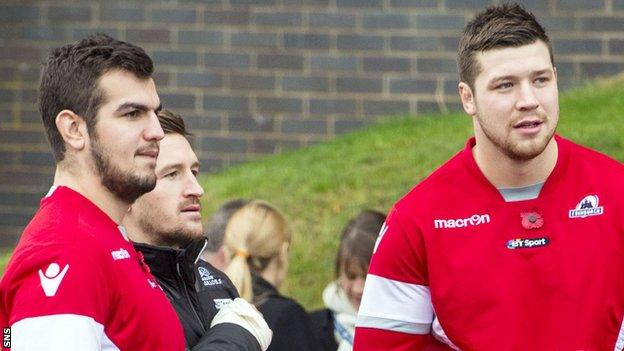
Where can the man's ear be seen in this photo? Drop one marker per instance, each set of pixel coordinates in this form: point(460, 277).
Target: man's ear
point(73, 129)
point(467, 98)
point(555, 71)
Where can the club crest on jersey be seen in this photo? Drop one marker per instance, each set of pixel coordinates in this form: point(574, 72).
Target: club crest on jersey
point(521, 243)
point(588, 206)
point(473, 220)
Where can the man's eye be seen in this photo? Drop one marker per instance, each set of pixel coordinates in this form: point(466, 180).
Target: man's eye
point(504, 86)
point(133, 113)
point(541, 80)
point(171, 174)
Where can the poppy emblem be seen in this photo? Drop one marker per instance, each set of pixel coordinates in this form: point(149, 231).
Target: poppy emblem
point(532, 220)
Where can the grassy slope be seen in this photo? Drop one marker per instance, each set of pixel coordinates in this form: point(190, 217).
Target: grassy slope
point(319, 188)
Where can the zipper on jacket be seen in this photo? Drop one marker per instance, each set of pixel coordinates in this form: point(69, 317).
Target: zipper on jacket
point(188, 297)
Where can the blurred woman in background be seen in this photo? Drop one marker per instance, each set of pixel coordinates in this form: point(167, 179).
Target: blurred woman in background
point(258, 239)
point(335, 324)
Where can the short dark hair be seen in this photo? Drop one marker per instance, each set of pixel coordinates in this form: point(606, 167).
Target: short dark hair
point(358, 240)
point(508, 25)
point(217, 223)
point(172, 123)
point(69, 80)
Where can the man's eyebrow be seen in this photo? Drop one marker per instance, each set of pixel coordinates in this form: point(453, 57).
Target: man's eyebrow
point(512, 77)
point(496, 79)
point(138, 106)
point(541, 71)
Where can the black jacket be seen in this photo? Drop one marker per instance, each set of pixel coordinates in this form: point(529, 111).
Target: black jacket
point(323, 323)
point(291, 326)
point(197, 290)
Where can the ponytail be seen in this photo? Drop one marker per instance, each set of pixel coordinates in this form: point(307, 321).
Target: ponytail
point(254, 235)
point(239, 273)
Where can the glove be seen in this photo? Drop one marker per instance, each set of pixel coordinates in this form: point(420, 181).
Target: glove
point(241, 312)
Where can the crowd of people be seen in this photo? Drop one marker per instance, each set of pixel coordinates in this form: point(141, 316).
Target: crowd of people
point(516, 243)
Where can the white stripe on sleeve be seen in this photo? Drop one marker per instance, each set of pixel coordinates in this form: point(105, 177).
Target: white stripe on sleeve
point(619, 344)
point(60, 332)
point(397, 306)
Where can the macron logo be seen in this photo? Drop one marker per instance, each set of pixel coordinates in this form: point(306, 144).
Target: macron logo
point(51, 279)
point(462, 222)
point(120, 254)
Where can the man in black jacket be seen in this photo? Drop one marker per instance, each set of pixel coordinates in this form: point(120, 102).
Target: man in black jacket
point(166, 226)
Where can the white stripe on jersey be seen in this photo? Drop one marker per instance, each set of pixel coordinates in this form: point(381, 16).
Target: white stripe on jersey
point(619, 344)
point(439, 334)
point(397, 306)
point(60, 332)
point(394, 325)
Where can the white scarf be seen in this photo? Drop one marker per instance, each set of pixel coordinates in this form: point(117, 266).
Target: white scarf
point(345, 314)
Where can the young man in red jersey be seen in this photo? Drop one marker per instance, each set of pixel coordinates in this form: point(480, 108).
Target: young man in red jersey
point(75, 282)
point(517, 242)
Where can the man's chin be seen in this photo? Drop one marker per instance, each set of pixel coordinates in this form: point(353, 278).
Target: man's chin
point(129, 189)
point(527, 149)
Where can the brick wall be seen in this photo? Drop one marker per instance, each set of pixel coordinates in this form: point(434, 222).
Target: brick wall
point(255, 77)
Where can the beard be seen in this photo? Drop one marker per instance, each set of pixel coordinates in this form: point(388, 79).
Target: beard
point(123, 184)
point(164, 227)
point(174, 236)
point(518, 150)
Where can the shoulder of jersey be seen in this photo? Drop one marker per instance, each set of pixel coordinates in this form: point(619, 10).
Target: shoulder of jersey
point(606, 169)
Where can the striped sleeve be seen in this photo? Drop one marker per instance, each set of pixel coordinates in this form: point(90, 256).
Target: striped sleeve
point(396, 311)
point(66, 332)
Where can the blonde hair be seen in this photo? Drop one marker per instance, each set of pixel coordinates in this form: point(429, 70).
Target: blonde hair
point(254, 236)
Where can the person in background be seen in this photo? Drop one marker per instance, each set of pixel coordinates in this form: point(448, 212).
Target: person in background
point(257, 240)
point(215, 232)
point(336, 323)
point(74, 281)
point(165, 225)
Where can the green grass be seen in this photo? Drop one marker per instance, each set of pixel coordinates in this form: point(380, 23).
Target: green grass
point(320, 187)
point(4, 258)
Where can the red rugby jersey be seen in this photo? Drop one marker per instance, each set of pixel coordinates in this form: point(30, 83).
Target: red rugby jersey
point(75, 282)
point(456, 262)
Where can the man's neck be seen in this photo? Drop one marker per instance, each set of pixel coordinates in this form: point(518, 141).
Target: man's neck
point(91, 187)
point(138, 234)
point(505, 172)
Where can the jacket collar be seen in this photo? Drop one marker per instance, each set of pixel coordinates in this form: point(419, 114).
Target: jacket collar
point(167, 263)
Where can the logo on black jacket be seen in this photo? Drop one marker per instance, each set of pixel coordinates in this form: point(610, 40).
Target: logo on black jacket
point(208, 278)
point(588, 206)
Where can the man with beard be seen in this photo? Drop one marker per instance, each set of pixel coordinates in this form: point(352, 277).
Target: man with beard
point(74, 281)
point(517, 242)
point(166, 226)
